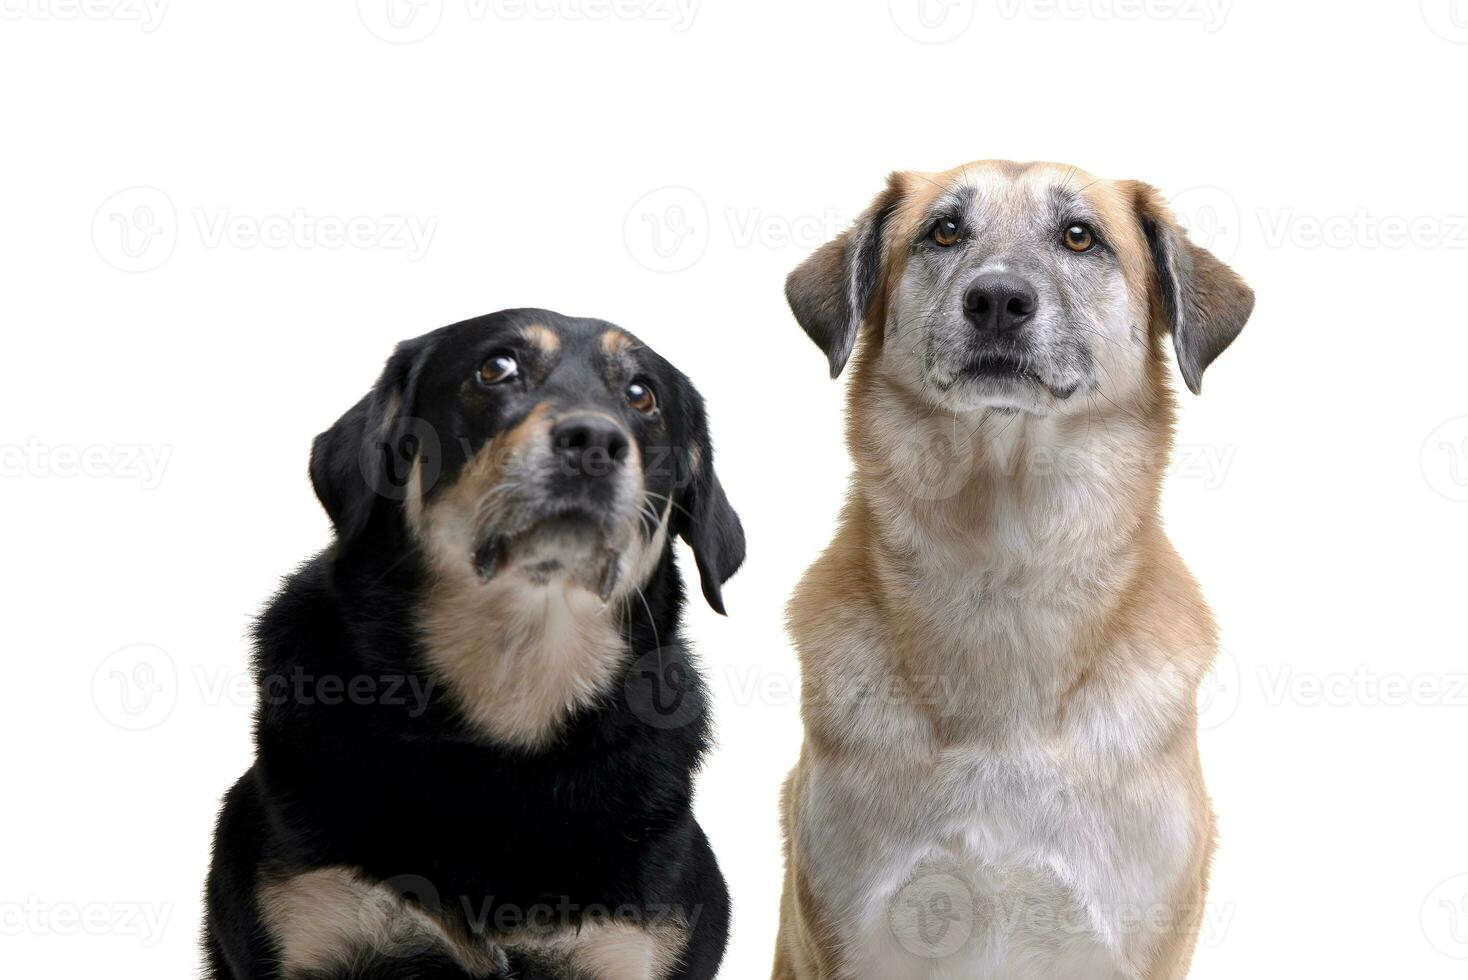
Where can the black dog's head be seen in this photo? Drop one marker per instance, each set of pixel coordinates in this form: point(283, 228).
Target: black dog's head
point(528, 445)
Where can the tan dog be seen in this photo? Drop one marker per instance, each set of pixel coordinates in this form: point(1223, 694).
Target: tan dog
point(1000, 648)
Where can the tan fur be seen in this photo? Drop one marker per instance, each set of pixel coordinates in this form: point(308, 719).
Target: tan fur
point(1131, 636)
point(332, 917)
point(618, 365)
point(615, 342)
point(329, 917)
point(615, 950)
point(543, 337)
point(807, 946)
point(519, 663)
point(517, 659)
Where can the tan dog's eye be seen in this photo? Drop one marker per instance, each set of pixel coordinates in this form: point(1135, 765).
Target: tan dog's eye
point(640, 396)
point(1079, 238)
point(500, 367)
point(945, 233)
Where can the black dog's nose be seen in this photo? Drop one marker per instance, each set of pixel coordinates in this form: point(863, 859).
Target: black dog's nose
point(589, 445)
point(999, 301)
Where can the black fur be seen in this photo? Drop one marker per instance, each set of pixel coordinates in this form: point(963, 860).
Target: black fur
point(393, 782)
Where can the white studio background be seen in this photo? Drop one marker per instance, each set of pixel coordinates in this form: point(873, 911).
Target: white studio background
point(216, 219)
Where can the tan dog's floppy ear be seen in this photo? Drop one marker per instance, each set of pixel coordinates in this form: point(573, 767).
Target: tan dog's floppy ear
point(832, 291)
point(1205, 302)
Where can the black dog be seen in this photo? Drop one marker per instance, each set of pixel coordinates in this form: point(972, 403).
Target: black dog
point(478, 728)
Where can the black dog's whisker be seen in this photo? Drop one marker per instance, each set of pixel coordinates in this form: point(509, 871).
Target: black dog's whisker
point(671, 503)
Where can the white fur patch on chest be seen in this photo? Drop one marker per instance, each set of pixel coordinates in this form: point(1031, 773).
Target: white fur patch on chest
point(1001, 862)
point(1017, 825)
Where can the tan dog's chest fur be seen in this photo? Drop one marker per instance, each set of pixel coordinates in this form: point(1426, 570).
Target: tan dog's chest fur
point(1000, 655)
point(1041, 774)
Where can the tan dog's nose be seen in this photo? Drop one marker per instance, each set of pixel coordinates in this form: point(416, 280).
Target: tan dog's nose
point(999, 302)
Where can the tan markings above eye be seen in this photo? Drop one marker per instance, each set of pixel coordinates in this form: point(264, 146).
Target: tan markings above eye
point(499, 368)
point(1079, 237)
point(615, 342)
point(543, 337)
point(945, 233)
point(641, 397)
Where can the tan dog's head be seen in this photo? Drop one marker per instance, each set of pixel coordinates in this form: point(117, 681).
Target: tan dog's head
point(1032, 288)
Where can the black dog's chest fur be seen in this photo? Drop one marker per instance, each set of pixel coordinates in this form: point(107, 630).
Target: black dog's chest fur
point(597, 824)
point(446, 793)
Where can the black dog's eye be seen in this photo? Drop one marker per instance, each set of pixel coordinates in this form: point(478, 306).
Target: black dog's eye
point(1079, 237)
point(945, 233)
point(500, 367)
point(641, 397)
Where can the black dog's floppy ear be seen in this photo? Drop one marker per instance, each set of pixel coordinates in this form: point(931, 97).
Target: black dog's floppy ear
point(831, 292)
point(704, 517)
point(1205, 302)
point(368, 455)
